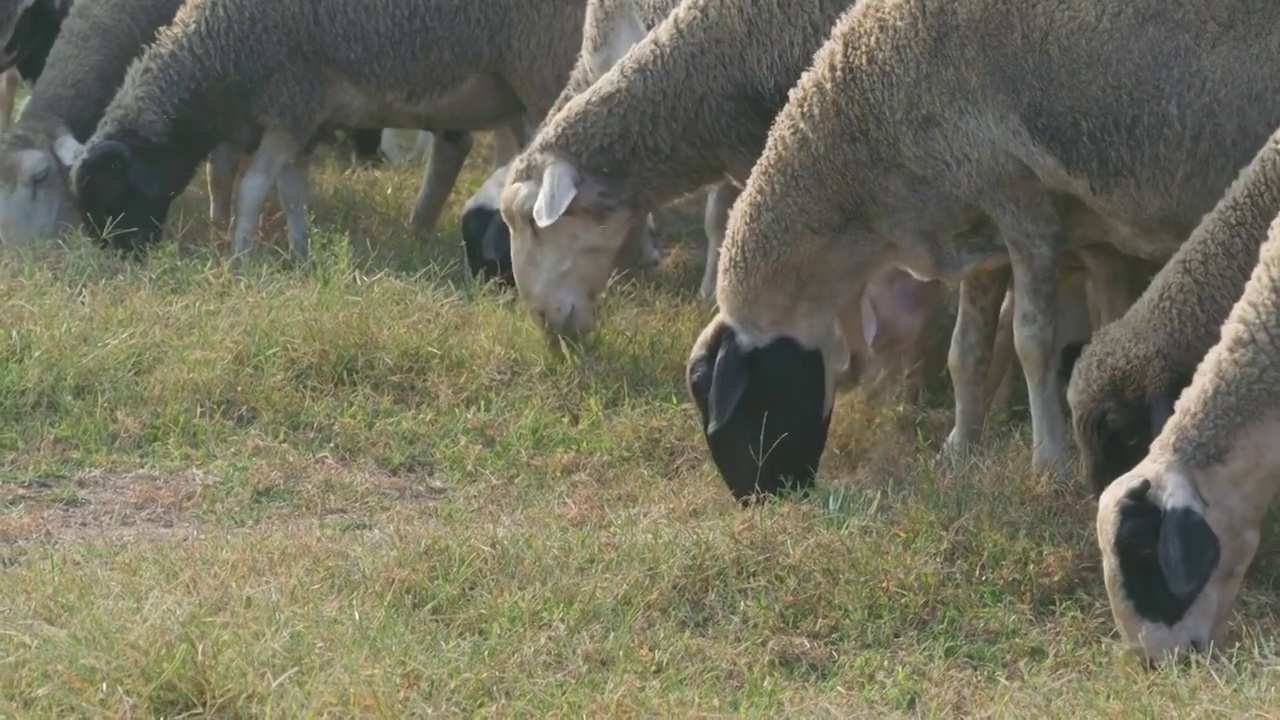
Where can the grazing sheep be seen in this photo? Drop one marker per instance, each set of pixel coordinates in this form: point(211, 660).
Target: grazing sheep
point(689, 105)
point(272, 76)
point(1131, 373)
point(949, 139)
point(96, 43)
point(610, 29)
point(1178, 531)
point(28, 29)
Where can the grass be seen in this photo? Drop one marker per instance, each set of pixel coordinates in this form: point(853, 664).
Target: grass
point(368, 489)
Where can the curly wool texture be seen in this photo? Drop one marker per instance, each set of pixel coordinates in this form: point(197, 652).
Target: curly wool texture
point(1159, 342)
point(1238, 383)
point(954, 106)
point(235, 66)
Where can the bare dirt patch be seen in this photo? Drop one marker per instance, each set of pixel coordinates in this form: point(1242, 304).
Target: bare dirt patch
point(100, 506)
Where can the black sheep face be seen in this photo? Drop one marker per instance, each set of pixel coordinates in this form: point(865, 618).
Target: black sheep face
point(125, 193)
point(1169, 577)
point(765, 410)
point(1114, 435)
point(487, 242)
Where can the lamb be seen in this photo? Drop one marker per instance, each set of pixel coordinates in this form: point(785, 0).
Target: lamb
point(1129, 377)
point(1178, 531)
point(952, 163)
point(97, 41)
point(273, 75)
point(28, 29)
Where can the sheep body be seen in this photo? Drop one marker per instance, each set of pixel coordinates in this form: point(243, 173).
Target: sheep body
point(942, 137)
point(1178, 531)
point(273, 75)
point(1132, 372)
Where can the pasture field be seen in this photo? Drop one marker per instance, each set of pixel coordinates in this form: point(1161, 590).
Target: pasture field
point(367, 488)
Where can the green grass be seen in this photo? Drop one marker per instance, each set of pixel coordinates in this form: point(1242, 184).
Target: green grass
point(369, 489)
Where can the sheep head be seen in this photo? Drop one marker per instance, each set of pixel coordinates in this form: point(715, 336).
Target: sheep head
point(125, 188)
point(1120, 398)
point(35, 201)
point(1172, 564)
point(569, 231)
point(765, 406)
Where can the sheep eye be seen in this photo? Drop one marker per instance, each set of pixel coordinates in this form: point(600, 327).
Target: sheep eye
point(40, 176)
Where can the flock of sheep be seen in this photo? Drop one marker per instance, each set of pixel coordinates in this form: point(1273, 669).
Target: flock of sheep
point(1099, 178)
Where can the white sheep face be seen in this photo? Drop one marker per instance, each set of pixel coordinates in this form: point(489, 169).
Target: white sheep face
point(35, 199)
point(1172, 566)
point(566, 238)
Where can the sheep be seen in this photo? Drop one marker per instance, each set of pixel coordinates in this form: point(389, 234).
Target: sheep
point(28, 29)
point(270, 75)
point(610, 28)
point(1178, 530)
point(1130, 375)
point(944, 138)
point(704, 85)
point(97, 41)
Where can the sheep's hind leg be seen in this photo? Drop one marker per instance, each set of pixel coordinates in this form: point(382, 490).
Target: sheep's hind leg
point(292, 187)
point(449, 150)
point(969, 358)
point(1035, 320)
point(714, 221)
point(276, 150)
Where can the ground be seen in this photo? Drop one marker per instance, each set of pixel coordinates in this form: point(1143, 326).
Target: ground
point(368, 487)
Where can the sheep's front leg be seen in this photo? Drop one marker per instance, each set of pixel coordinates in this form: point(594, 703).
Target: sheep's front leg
point(449, 150)
point(969, 358)
point(1111, 284)
point(9, 82)
point(714, 221)
point(1035, 320)
point(224, 163)
point(274, 151)
point(292, 187)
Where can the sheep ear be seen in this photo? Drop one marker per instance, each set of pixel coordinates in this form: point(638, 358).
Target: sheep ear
point(67, 150)
point(1188, 551)
point(559, 186)
point(728, 381)
point(868, 320)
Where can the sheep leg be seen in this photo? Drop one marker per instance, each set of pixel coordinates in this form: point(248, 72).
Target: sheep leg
point(9, 82)
point(1000, 372)
point(224, 163)
point(274, 151)
point(449, 150)
point(969, 357)
point(640, 248)
point(506, 144)
point(292, 187)
point(1035, 320)
point(714, 221)
point(1110, 286)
